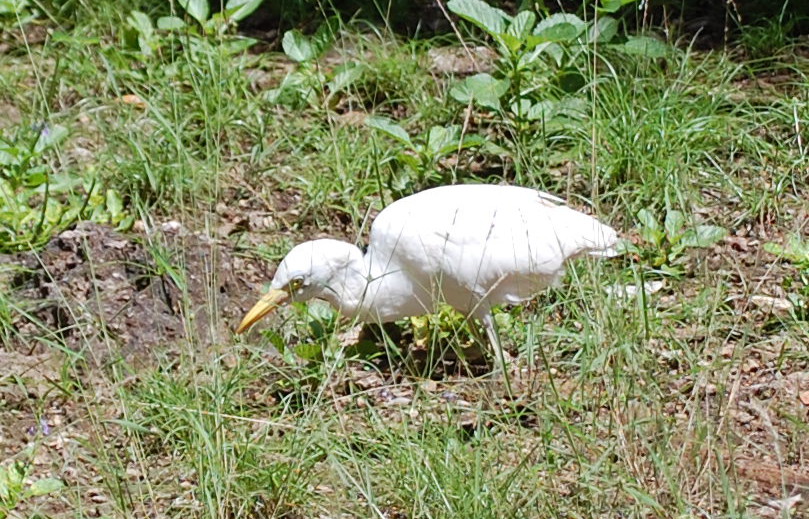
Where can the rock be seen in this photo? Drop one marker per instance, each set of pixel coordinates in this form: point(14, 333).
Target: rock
point(773, 305)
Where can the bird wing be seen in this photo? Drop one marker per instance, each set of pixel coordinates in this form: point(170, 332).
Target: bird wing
point(481, 242)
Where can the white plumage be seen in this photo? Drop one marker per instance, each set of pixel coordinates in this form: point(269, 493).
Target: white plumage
point(470, 246)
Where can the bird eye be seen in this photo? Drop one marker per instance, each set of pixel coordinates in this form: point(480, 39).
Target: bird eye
point(295, 284)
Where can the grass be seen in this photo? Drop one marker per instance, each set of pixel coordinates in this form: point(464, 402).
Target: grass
point(670, 404)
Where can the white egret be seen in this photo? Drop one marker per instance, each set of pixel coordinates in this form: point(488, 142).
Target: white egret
point(470, 246)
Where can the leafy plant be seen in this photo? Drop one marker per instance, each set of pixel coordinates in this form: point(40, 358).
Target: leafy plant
point(233, 12)
point(537, 61)
point(35, 202)
point(309, 84)
point(534, 56)
point(16, 487)
point(150, 38)
point(418, 163)
point(796, 251)
point(15, 13)
point(664, 244)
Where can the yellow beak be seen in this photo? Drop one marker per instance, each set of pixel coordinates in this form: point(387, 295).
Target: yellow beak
point(268, 302)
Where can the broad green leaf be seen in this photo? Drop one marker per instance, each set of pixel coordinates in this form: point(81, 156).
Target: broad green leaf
point(275, 339)
point(522, 24)
point(775, 248)
point(389, 127)
point(65, 182)
point(36, 179)
point(49, 137)
point(650, 228)
point(170, 23)
point(540, 46)
point(345, 75)
point(626, 246)
point(199, 10)
point(647, 219)
point(216, 24)
point(8, 155)
point(141, 23)
point(321, 318)
point(114, 203)
point(512, 43)
point(236, 45)
point(297, 46)
point(560, 27)
point(443, 139)
point(309, 351)
point(11, 481)
point(654, 237)
point(533, 111)
point(561, 32)
point(573, 108)
point(604, 30)
point(408, 159)
point(473, 141)
point(520, 107)
point(796, 250)
point(482, 89)
point(675, 220)
point(45, 486)
point(611, 6)
point(645, 46)
point(488, 18)
point(238, 10)
point(703, 236)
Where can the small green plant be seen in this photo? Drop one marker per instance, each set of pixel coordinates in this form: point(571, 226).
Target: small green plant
point(537, 58)
point(151, 38)
point(35, 202)
point(664, 244)
point(417, 164)
point(796, 251)
point(15, 13)
point(17, 487)
point(233, 12)
point(765, 40)
point(309, 85)
point(442, 326)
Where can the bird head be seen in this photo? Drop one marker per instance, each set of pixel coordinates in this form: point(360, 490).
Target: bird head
point(313, 269)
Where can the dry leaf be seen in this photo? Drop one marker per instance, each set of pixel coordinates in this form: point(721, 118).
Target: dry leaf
point(133, 99)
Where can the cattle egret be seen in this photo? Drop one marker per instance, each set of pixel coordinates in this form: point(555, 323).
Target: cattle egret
point(470, 246)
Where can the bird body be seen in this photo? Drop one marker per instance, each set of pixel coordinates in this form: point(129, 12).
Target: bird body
point(470, 246)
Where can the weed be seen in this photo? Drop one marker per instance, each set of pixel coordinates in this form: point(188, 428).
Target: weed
point(795, 251)
point(36, 202)
point(418, 163)
point(663, 245)
point(17, 484)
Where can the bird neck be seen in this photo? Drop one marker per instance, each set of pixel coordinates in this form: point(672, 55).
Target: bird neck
point(347, 285)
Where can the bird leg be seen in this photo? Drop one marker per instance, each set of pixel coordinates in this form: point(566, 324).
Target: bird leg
point(503, 358)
